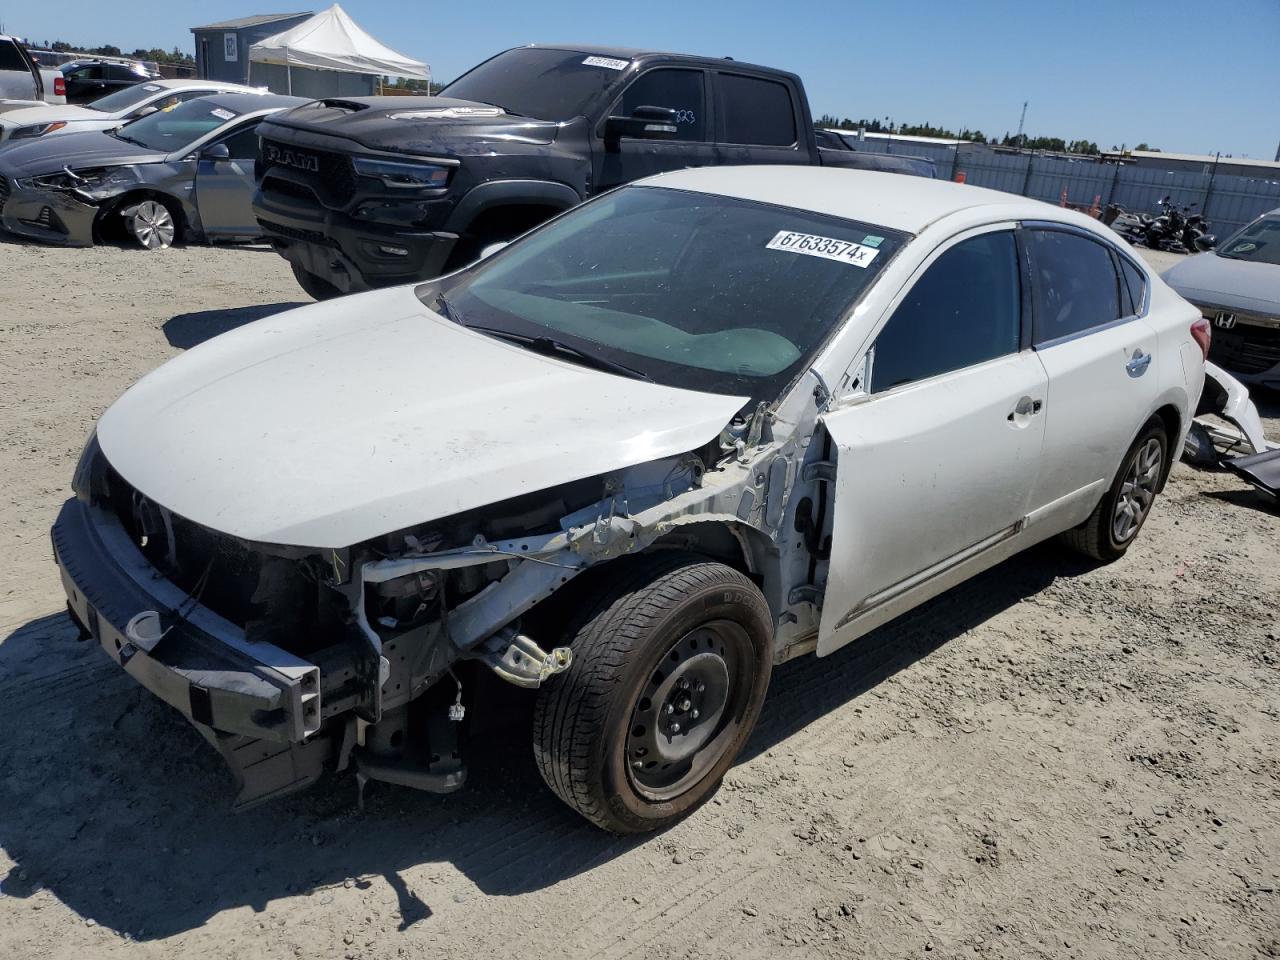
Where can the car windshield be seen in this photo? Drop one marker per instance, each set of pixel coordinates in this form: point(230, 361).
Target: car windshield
point(535, 82)
point(686, 289)
point(1259, 242)
point(173, 130)
point(125, 98)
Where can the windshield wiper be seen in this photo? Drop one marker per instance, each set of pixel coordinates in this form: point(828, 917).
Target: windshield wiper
point(121, 136)
point(549, 346)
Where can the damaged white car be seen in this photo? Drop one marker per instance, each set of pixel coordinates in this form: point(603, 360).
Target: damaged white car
point(680, 434)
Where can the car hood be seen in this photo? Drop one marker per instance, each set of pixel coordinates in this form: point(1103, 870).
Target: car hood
point(1215, 281)
point(334, 423)
point(26, 116)
point(80, 151)
point(415, 125)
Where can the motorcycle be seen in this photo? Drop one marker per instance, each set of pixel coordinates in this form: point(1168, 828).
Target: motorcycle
point(1176, 230)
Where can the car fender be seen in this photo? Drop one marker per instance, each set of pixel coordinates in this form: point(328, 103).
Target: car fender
point(500, 193)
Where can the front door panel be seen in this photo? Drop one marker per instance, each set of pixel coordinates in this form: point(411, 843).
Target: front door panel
point(924, 475)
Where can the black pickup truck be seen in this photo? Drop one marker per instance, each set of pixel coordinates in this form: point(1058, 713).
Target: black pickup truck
point(373, 191)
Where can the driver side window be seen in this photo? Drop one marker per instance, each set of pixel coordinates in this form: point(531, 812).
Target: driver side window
point(243, 143)
point(680, 90)
point(964, 310)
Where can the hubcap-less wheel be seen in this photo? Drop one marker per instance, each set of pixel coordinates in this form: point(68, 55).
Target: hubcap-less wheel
point(152, 225)
point(688, 710)
point(1137, 490)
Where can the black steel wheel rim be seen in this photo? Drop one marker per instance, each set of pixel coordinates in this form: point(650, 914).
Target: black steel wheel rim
point(689, 709)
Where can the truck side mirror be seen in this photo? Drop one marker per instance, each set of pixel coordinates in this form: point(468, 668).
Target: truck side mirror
point(217, 151)
point(645, 123)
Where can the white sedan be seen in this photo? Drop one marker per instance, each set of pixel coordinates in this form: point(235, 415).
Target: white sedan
point(691, 429)
point(105, 113)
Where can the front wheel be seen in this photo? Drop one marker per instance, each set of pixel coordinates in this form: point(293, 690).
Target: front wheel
point(151, 223)
point(669, 673)
point(316, 287)
point(1116, 520)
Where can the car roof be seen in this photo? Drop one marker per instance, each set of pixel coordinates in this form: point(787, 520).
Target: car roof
point(179, 83)
point(252, 102)
point(889, 200)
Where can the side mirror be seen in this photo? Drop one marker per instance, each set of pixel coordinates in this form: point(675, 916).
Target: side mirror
point(645, 123)
point(217, 151)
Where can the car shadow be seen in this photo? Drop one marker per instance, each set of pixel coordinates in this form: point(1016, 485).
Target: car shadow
point(113, 803)
point(187, 330)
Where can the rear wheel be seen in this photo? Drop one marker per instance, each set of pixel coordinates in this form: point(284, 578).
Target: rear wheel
point(669, 673)
point(1116, 520)
point(316, 287)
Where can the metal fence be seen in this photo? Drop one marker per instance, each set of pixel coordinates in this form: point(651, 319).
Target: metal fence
point(1227, 202)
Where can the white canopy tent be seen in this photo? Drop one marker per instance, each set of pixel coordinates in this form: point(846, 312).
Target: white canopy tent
point(331, 40)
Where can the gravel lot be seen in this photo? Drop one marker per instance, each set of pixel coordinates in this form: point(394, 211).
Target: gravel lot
point(1051, 761)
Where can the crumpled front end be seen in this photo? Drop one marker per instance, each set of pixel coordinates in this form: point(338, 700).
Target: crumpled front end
point(48, 214)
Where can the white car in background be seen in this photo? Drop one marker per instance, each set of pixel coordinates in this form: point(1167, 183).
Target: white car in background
point(693, 428)
point(128, 103)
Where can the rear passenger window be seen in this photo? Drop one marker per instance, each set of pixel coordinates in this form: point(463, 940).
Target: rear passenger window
point(1136, 283)
point(679, 90)
point(11, 58)
point(757, 111)
point(1076, 286)
point(964, 310)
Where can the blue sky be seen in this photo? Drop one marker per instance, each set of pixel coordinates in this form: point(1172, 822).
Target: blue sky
point(1184, 75)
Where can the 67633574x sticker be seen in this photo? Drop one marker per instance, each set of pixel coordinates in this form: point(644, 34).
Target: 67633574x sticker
point(828, 248)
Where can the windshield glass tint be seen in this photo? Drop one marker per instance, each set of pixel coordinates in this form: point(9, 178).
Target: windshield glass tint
point(125, 98)
point(1259, 241)
point(693, 290)
point(171, 130)
point(546, 84)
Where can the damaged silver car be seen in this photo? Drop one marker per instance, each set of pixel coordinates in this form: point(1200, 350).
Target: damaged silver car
point(181, 173)
point(691, 429)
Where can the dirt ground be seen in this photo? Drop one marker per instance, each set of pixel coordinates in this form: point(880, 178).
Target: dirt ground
point(1054, 760)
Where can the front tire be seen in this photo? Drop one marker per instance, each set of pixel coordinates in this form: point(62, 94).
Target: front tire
point(316, 287)
point(1116, 520)
point(152, 222)
point(668, 677)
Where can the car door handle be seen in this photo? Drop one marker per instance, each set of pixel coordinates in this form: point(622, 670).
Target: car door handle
point(1138, 363)
point(1026, 407)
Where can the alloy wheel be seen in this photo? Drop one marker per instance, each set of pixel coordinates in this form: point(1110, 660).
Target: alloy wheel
point(1137, 490)
point(152, 225)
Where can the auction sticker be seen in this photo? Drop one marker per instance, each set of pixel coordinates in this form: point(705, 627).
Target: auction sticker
point(609, 63)
point(221, 114)
point(829, 248)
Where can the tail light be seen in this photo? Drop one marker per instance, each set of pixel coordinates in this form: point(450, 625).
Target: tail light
point(1202, 333)
point(59, 86)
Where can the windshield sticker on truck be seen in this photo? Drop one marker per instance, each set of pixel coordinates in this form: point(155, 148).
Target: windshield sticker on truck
point(609, 63)
point(870, 241)
point(829, 248)
point(221, 114)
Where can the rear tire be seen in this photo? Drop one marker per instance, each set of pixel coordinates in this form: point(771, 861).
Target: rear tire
point(316, 287)
point(668, 677)
point(1116, 520)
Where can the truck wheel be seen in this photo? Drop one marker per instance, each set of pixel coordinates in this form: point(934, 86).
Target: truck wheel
point(669, 673)
point(316, 288)
point(1116, 520)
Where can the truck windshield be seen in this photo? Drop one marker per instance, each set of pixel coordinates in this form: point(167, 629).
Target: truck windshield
point(536, 82)
point(687, 289)
point(173, 130)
